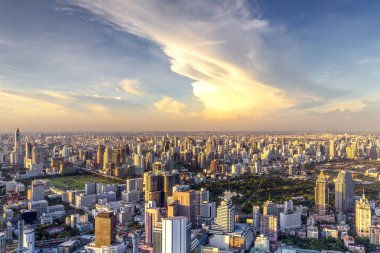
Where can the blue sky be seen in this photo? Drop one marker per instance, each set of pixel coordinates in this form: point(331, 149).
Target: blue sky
point(189, 65)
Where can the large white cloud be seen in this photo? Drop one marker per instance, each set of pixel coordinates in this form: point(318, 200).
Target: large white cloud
point(211, 42)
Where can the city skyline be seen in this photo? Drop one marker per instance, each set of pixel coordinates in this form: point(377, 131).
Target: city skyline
point(189, 66)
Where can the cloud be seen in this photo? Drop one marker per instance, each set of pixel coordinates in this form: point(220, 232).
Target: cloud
point(212, 44)
point(353, 106)
point(169, 105)
point(132, 87)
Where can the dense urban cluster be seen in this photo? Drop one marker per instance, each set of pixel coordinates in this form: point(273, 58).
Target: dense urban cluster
point(189, 192)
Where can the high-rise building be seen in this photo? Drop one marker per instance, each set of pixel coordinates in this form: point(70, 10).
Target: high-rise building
point(135, 243)
point(37, 191)
point(290, 220)
point(20, 236)
point(321, 194)
point(38, 155)
point(332, 150)
point(268, 226)
point(374, 235)
point(99, 154)
point(184, 203)
point(225, 216)
point(105, 229)
point(157, 239)
point(90, 188)
point(3, 241)
point(17, 141)
point(29, 239)
point(262, 243)
point(152, 217)
point(270, 208)
point(256, 218)
point(344, 191)
point(106, 158)
point(176, 235)
point(362, 217)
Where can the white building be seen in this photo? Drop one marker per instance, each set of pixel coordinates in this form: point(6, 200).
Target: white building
point(29, 239)
point(176, 235)
point(262, 243)
point(290, 220)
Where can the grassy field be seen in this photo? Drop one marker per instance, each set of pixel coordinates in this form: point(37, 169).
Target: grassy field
point(76, 182)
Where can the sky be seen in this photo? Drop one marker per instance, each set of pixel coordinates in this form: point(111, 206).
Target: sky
point(200, 65)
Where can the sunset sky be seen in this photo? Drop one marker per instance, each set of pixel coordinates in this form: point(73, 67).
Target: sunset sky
point(190, 65)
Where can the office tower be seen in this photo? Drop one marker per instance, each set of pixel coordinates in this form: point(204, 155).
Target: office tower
point(38, 155)
point(29, 239)
point(37, 191)
point(106, 157)
point(374, 234)
point(116, 157)
point(332, 152)
point(28, 150)
point(256, 218)
point(17, 140)
point(207, 210)
point(99, 154)
point(169, 181)
point(176, 235)
point(225, 216)
point(90, 188)
point(362, 217)
point(135, 184)
point(150, 184)
point(158, 187)
point(20, 236)
point(290, 220)
point(344, 191)
point(105, 229)
point(270, 208)
point(184, 203)
point(157, 239)
point(152, 217)
point(268, 226)
point(321, 194)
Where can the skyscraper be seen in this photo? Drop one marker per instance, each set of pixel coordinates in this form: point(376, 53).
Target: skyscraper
point(362, 217)
point(20, 236)
point(176, 235)
point(332, 149)
point(226, 216)
point(106, 158)
point(321, 194)
point(17, 140)
point(344, 191)
point(269, 226)
point(256, 218)
point(105, 229)
point(99, 154)
point(152, 217)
